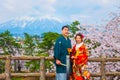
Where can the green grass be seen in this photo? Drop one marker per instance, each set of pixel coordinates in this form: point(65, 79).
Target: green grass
point(16, 79)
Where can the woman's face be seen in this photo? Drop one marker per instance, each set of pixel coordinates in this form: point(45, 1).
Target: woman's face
point(78, 39)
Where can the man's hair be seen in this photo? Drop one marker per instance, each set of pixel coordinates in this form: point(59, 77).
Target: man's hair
point(65, 27)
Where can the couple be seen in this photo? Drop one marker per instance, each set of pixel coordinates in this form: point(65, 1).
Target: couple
point(78, 57)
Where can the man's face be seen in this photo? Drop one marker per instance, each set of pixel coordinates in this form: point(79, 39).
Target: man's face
point(65, 32)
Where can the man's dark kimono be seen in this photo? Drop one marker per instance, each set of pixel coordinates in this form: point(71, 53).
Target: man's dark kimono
point(60, 52)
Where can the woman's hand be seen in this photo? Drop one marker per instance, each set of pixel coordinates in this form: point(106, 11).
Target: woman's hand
point(73, 57)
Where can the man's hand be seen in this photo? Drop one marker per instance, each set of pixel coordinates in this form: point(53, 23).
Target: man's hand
point(58, 62)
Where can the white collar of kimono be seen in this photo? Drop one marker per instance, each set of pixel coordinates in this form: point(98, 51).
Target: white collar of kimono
point(78, 45)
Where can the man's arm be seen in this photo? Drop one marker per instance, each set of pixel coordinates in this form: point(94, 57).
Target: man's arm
point(57, 52)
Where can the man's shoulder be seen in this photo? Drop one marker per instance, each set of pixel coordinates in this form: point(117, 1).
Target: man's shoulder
point(59, 38)
point(68, 38)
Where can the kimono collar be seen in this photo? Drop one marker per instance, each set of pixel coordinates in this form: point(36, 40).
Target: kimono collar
point(78, 45)
point(65, 37)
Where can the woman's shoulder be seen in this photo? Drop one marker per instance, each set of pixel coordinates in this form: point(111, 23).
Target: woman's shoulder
point(84, 44)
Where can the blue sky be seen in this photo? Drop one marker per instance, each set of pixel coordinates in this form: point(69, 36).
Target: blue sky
point(86, 11)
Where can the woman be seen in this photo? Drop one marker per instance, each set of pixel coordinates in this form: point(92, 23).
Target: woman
point(79, 59)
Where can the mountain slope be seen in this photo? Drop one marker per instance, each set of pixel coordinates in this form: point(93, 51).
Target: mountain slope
point(32, 26)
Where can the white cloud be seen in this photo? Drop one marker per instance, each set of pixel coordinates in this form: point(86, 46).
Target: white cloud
point(79, 16)
point(28, 18)
point(14, 8)
point(46, 5)
point(106, 1)
point(84, 19)
point(66, 9)
point(51, 17)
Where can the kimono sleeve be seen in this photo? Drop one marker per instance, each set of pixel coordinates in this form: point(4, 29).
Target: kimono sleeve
point(86, 51)
point(57, 49)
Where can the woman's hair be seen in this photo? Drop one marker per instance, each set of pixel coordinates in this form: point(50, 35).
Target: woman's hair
point(79, 34)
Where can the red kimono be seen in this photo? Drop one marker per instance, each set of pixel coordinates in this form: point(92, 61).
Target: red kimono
point(79, 67)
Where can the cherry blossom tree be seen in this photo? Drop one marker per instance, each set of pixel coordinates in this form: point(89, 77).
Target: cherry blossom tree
point(102, 41)
point(107, 41)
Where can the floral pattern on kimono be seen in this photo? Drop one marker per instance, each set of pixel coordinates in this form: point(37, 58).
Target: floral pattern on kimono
point(79, 67)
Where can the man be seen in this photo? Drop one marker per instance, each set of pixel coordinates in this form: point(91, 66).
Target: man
point(60, 53)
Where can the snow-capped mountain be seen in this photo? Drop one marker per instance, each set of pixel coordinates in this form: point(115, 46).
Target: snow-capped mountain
point(32, 25)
